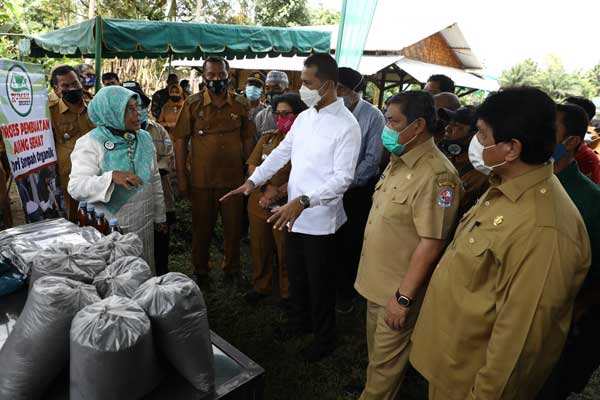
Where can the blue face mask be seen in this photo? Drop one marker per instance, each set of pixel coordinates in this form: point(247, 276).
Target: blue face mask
point(144, 117)
point(389, 138)
point(559, 152)
point(88, 81)
point(253, 93)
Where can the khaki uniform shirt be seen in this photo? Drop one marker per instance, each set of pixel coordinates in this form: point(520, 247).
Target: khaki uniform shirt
point(264, 147)
point(67, 126)
point(164, 158)
point(499, 304)
point(169, 115)
point(217, 134)
point(417, 197)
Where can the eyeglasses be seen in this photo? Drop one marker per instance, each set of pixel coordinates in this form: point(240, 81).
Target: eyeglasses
point(283, 113)
point(133, 109)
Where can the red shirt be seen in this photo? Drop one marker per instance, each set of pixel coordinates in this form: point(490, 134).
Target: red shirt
point(588, 163)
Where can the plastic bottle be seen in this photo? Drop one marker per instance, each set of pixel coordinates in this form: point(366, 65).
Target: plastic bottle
point(90, 219)
point(114, 226)
point(102, 223)
point(81, 214)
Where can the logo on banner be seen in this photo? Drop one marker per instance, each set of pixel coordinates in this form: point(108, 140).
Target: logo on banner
point(19, 90)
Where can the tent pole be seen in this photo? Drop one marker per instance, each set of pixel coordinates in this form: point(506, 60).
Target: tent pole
point(170, 59)
point(98, 51)
point(338, 47)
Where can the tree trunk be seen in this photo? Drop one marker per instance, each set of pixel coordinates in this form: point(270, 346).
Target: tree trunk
point(92, 9)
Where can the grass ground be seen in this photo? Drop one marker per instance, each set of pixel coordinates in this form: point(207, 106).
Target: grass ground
point(251, 328)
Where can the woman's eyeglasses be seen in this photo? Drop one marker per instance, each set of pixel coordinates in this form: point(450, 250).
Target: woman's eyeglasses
point(133, 110)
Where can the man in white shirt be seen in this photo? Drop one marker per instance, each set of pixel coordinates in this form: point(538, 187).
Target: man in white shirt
point(323, 146)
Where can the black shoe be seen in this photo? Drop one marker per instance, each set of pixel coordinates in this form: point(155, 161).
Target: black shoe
point(344, 307)
point(317, 351)
point(254, 297)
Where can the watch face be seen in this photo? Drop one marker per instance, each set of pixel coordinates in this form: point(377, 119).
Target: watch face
point(403, 301)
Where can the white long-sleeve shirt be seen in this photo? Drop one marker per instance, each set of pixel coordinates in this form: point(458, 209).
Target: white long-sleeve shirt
point(88, 183)
point(323, 147)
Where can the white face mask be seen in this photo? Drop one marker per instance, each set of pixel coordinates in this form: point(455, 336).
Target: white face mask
point(476, 156)
point(311, 97)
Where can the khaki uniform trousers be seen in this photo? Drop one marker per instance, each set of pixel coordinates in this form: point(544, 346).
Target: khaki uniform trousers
point(205, 208)
point(436, 394)
point(388, 353)
point(264, 243)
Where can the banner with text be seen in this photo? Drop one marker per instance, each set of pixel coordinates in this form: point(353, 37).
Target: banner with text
point(28, 140)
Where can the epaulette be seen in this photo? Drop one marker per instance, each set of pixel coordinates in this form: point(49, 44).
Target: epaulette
point(195, 98)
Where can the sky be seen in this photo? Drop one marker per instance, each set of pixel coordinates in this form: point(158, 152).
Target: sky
point(504, 32)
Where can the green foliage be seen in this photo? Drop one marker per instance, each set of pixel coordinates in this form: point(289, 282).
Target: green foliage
point(281, 12)
point(320, 16)
point(553, 79)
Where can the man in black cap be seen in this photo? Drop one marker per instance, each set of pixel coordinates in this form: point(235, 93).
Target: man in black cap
point(254, 93)
point(460, 130)
point(357, 200)
point(277, 83)
point(164, 156)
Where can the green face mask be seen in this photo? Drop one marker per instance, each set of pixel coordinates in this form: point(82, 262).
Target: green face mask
point(389, 137)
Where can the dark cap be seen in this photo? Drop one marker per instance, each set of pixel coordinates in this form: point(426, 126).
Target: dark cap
point(135, 87)
point(464, 115)
point(352, 79)
point(256, 76)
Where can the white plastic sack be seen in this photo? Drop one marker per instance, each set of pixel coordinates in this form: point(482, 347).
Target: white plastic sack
point(73, 262)
point(112, 352)
point(123, 277)
point(177, 310)
point(21, 244)
point(38, 346)
point(115, 246)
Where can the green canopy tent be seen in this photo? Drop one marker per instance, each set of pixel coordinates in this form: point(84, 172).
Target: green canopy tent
point(105, 37)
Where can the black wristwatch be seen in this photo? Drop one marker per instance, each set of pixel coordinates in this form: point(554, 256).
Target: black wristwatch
point(305, 201)
point(403, 300)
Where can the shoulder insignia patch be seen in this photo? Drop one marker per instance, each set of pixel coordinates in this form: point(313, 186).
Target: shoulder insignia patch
point(445, 198)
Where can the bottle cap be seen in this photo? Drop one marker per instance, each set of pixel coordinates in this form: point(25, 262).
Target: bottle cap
point(82, 204)
point(91, 207)
point(100, 214)
point(113, 222)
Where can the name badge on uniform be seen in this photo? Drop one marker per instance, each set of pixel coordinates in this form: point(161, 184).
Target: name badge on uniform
point(108, 145)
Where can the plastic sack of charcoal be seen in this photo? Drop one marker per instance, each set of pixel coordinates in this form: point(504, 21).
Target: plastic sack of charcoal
point(73, 262)
point(37, 349)
point(115, 246)
point(177, 310)
point(123, 277)
point(112, 352)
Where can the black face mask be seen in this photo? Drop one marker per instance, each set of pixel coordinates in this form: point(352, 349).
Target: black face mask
point(454, 148)
point(73, 96)
point(272, 95)
point(175, 98)
point(217, 86)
